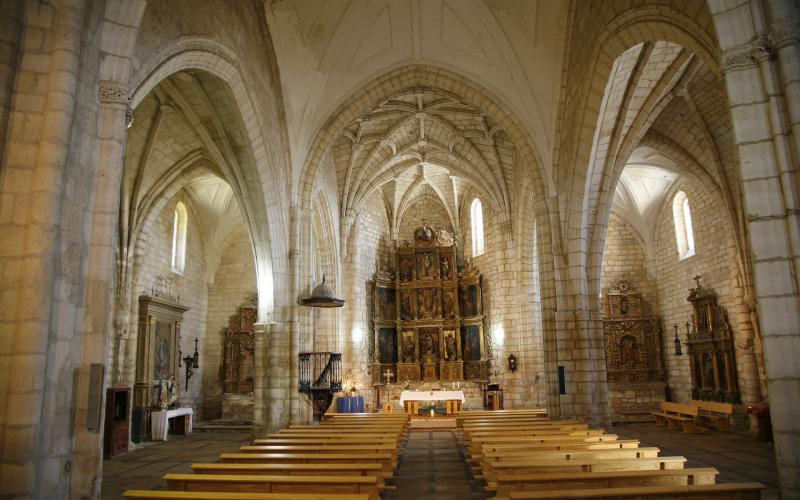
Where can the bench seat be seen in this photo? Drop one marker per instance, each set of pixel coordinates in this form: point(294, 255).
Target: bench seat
point(274, 484)
point(737, 491)
point(349, 469)
point(219, 495)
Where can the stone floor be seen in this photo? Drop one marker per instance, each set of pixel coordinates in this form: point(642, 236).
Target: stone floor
point(432, 464)
point(739, 457)
point(144, 468)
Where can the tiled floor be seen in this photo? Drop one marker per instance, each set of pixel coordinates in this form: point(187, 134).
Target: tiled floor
point(432, 464)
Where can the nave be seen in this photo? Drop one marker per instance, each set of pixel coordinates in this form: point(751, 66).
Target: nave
point(443, 464)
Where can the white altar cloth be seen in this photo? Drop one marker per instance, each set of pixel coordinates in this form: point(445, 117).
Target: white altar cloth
point(160, 419)
point(431, 396)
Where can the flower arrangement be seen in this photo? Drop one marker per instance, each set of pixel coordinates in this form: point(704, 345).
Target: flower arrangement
point(407, 385)
point(430, 405)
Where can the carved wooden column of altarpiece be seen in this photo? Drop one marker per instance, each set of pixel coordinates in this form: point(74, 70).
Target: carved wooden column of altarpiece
point(157, 352)
point(428, 319)
point(634, 353)
point(711, 350)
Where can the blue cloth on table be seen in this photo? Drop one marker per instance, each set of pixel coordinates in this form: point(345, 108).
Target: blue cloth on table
point(354, 404)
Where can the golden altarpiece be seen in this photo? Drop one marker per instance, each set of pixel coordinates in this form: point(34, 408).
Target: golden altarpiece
point(237, 370)
point(428, 316)
point(634, 356)
point(710, 346)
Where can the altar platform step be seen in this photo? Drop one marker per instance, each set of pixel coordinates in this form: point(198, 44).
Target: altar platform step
point(224, 426)
point(426, 424)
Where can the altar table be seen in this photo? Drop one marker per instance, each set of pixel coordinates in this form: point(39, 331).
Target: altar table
point(160, 422)
point(409, 400)
point(352, 404)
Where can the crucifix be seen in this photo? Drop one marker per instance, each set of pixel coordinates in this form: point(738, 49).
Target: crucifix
point(696, 278)
point(388, 375)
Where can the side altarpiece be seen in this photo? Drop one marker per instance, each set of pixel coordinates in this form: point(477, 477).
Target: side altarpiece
point(428, 315)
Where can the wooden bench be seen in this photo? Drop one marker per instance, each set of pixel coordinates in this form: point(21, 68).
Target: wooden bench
point(676, 415)
point(274, 484)
point(524, 466)
point(605, 445)
point(348, 469)
point(738, 491)
point(212, 495)
point(719, 413)
point(499, 455)
point(387, 460)
point(331, 441)
point(505, 483)
point(308, 449)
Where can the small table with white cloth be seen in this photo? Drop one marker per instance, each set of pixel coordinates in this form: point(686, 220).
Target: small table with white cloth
point(409, 400)
point(160, 422)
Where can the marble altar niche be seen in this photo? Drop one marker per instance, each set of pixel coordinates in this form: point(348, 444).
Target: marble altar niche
point(238, 375)
point(634, 353)
point(711, 351)
point(423, 308)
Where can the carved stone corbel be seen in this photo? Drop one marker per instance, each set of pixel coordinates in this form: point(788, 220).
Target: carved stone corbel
point(747, 55)
point(111, 91)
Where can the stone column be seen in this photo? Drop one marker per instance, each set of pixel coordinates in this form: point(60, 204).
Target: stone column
point(760, 62)
point(260, 383)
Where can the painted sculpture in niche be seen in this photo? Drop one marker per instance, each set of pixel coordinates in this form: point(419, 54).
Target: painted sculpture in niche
point(450, 347)
point(409, 349)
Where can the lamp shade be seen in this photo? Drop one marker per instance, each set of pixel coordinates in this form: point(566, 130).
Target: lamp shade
point(322, 296)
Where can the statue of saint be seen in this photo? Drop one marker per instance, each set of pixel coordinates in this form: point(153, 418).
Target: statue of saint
point(450, 347)
point(427, 345)
point(168, 394)
point(408, 349)
point(424, 234)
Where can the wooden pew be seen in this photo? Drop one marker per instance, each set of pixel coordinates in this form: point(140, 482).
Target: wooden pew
point(274, 484)
point(489, 458)
point(505, 483)
point(475, 442)
point(728, 491)
point(307, 449)
point(554, 446)
point(387, 460)
point(348, 469)
point(213, 495)
point(719, 413)
point(330, 441)
point(677, 415)
point(525, 466)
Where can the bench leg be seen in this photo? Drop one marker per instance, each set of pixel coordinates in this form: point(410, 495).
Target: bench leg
point(689, 426)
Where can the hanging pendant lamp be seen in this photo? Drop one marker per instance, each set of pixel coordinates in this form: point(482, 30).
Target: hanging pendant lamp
point(322, 296)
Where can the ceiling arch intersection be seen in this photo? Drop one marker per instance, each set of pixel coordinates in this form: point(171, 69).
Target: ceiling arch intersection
point(422, 137)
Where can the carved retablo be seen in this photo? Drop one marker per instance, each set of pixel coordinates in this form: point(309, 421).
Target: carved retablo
point(428, 317)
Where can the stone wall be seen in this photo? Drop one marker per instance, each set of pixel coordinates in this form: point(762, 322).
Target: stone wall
point(427, 208)
point(625, 257)
point(233, 282)
point(714, 255)
point(153, 258)
point(368, 245)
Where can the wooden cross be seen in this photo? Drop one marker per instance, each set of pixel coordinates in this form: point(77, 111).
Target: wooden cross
point(696, 278)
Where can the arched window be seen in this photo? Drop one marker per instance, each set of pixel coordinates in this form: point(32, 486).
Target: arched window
point(179, 239)
point(476, 221)
point(684, 236)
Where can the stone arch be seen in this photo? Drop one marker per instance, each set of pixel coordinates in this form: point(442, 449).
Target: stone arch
point(647, 23)
point(252, 186)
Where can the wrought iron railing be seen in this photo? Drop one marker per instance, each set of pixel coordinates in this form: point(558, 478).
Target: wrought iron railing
point(320, 371)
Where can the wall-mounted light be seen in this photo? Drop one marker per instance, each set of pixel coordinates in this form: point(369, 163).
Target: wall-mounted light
point(512, 363)
point(678, 351)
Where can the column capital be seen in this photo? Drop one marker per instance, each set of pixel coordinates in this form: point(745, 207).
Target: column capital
point(747, 55)
point(783, 33)
point(112, 91)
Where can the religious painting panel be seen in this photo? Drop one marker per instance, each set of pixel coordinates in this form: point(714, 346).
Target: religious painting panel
point(449, 303)
point(406, 304)
point(470, 301)
point(471, 341)
point(450, 345)
point(409, 346)
point(163, 351)
point(387, 345)
point(428, 303)
point(427, 266)
point(475, 370)
point(406, 267)
point(386, 303)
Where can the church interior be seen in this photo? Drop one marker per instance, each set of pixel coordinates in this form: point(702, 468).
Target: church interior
point(258, 215)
